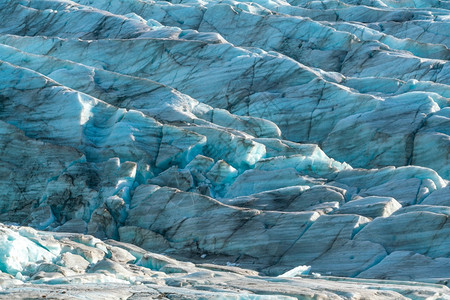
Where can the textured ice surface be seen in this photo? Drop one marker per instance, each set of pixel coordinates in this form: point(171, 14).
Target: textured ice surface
point(264, 134)
point(39, 264)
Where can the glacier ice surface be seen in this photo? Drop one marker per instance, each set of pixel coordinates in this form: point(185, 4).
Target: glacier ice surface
point(249, 138)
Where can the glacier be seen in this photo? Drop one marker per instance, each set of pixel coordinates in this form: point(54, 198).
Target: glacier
point(205, 149)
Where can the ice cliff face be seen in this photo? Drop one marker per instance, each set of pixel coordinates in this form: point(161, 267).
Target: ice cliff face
point(269, 134)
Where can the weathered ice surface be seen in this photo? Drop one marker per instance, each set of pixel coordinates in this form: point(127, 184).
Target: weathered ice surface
point(38, 264)
point(268, 135)
point(371, 207)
